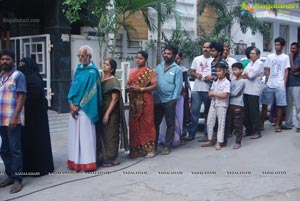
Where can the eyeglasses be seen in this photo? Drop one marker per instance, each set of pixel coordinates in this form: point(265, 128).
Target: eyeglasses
point(81, 56)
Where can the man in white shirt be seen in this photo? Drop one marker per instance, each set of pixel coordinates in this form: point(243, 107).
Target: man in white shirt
point(276, 65)
point(201, 67)
point(252, 75)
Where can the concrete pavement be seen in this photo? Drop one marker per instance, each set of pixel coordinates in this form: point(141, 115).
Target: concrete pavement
point(266, 169)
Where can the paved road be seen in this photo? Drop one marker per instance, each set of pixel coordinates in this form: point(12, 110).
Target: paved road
point(267, 169)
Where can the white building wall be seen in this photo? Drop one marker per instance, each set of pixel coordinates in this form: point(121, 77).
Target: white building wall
point(290, 18)
point(248, 38)
point(187, 10)
point(293, 34)
point(76, 42)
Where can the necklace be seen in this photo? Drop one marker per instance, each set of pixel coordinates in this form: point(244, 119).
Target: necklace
point(3, 80)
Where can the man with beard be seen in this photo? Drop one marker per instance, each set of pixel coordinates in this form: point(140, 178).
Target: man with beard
point(200, 68)
point(169, 76)
point(12, 99)
point(293, 88)
point(216, 52)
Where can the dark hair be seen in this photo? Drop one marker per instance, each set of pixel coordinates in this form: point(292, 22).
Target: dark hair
point(237, 65)
point(296, 44)
point(217, 46)
point(221, 65)
point(247, 51)
point(180, 54)
point(172, 48)
point(143, 53)
point(280, 40)
point(8, 52)
point(113, 65)
point(256, 50)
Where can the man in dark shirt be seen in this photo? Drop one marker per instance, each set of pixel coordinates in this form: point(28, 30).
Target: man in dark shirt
point(293, 88)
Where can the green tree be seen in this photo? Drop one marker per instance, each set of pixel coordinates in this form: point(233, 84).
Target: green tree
point(187, 45)
point(164, 12)
point(230, 12)
point(110, 16)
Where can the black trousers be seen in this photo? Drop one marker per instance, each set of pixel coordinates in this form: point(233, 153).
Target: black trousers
point(168, 110)
point(234, 121)
point(252, 114)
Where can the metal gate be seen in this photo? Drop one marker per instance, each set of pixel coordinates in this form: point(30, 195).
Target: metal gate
point(37, 47)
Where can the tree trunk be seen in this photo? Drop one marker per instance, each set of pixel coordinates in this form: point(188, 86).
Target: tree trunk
point(158, 53)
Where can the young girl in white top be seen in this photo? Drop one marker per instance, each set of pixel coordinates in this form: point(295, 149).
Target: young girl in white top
point(219, 94)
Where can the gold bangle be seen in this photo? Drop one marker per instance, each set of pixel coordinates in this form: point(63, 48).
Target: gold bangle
point(142, 89)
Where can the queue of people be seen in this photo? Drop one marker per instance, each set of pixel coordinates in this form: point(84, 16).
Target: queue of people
point(25, 151)
point(160, 112)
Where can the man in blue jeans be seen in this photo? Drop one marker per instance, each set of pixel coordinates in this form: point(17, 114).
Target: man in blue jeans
point(169, 78)
point(12, 98)
point(200, 69)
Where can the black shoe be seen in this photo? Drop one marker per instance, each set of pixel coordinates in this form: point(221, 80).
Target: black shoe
point(189, 138)
point(246, 134)
point(223, 144)
point(203, 139)
point(286, 127)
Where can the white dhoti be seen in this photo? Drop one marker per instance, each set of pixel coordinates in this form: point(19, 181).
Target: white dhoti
point(82, 143)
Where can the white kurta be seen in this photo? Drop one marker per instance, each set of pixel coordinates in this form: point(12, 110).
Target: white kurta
point(82, 143)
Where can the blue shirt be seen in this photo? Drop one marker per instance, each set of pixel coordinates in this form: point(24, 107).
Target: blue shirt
point(169, 83)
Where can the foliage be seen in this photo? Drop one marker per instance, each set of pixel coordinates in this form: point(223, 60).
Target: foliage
point(110, 16)
point(231, 13)
point(189, 47)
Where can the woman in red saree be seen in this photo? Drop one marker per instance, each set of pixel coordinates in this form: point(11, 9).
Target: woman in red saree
point(141, 82)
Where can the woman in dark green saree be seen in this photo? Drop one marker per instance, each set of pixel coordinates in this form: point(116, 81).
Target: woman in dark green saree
point(113, 121)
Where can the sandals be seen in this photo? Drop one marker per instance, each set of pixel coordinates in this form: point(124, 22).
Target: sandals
point(207, 144)
point(277, 129)
point(6, 182)
point(166, 151)
point(16, 187)
point(255, 136)
point(236, 146)
point(111, 163)
point(150, 154)
point(182, 142)
point(218, 146)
